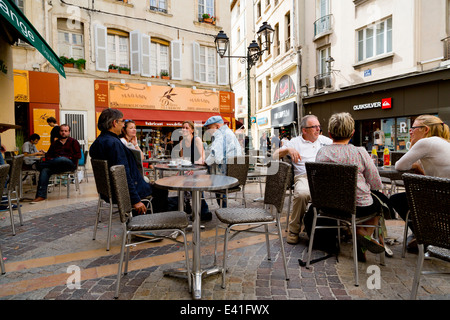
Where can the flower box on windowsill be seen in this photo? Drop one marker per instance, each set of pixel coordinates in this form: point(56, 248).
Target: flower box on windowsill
point(124, 71)
point(209, 20)
point(113, 70)
point(68, 65)
point(165, 77)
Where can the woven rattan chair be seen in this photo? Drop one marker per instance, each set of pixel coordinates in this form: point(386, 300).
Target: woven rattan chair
point(132, 225)
point(429, 207)
point(103, 185)
point(13, 188)
point(237, 167)
point(290, 187)
point(67, 177)
point(257, 217)
point(333, 196)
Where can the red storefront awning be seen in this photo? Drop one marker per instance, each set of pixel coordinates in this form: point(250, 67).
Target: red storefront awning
point(164, 118)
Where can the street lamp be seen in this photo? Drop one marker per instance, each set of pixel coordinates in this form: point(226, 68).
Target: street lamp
point(254, 52)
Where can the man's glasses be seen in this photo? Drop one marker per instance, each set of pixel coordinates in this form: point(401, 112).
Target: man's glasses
point(314, 127)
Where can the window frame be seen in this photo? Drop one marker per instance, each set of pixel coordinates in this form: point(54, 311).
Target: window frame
point(117, 52)
point(156, 57)
point(368, 41)
point(70, 44)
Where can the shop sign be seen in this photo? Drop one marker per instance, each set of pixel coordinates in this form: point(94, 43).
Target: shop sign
point(253, 119)
point(384, 104)
point(262, 121)
point(163, 124)
point(284, 114)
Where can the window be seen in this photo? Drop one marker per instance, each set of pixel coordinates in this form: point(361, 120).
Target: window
point(20, 5)
point(159, 57)
point(70, 45)
point(207, 64)
point(258, 10)
point(287, 19)
point(260, 95)
point(118, 48)
point(375, 40)
point(70, 38)
point(158, 5)
point(206, 6)
point(323, 56)
point(268, 91)
point(276, 40)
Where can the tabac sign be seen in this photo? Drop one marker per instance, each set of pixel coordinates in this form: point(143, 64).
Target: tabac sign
point(141, 96)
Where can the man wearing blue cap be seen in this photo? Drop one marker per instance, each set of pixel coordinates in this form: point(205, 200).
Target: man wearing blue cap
point(224, 145)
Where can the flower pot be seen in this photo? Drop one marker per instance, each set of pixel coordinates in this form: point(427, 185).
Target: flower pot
point(113, 70)
point(124, 71)
point(165, 77)
point(68, 65)
point(208, 20)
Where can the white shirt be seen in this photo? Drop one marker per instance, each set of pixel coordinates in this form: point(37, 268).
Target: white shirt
point(307, 149)
point(434, 155)
point(223, 138)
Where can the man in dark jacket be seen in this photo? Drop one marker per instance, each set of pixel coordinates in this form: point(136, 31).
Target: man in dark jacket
point(62, 156)
point(108, 147)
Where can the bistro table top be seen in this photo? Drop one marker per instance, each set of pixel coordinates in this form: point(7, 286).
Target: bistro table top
point(153, 160)
point(391, 173)
point(166, 166)
point(201, 182)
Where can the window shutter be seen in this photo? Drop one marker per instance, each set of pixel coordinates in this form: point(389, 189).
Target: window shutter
point(101, 46)
point(175, 47)
point(135, 52)
point(145, 56)
point(196, 62)
point(222, 70)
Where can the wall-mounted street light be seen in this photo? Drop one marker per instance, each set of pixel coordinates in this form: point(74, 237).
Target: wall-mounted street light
point(254, 52)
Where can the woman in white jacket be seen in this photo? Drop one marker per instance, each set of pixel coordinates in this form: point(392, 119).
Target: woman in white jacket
point(429, 155)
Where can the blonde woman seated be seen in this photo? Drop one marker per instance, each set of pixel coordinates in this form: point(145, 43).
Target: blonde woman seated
point(341, 128)
point(429, 154)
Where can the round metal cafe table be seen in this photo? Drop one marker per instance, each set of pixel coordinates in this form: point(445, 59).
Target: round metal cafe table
point(196, 184)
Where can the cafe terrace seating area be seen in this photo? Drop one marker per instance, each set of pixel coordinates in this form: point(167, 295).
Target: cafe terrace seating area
point(52, 242)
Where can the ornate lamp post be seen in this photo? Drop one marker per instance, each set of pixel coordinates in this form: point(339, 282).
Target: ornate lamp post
point(254, 52)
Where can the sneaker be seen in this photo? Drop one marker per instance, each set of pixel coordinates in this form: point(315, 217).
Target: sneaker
point(292, 238)
point(388, 252)
point(371, 244)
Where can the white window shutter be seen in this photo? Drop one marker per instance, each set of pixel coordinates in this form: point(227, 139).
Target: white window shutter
point(222, 64)
point(145, 72)
point(101, 48)
point(175, 47)
point(196, 62)
point(135, 52)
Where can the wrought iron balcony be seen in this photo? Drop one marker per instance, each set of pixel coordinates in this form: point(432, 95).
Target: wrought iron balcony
point(322, 25)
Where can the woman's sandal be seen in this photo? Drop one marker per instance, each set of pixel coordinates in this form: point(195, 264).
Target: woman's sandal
point(371, 244)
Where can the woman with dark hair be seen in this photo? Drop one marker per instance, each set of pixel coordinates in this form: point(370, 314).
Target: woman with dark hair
point(129, 138)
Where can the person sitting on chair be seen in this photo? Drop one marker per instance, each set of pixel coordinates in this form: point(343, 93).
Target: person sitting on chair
point(31, 154)
point(108, 147)
point(62, 156)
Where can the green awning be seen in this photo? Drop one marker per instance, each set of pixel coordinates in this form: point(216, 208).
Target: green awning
point(23, 29)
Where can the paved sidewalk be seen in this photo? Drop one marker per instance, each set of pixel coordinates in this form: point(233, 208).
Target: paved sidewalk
point(56, 240)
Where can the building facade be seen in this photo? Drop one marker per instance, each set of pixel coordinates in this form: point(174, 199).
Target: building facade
point(385, 62)
point(155, 60)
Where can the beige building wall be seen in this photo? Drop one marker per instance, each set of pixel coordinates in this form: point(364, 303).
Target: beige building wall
point(417, 30)
point(77, 90)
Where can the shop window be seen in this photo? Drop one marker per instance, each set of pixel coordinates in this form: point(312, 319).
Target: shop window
point(374, 40)
point(158, 5)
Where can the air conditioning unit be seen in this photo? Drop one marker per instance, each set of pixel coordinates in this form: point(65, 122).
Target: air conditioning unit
point(322, 81)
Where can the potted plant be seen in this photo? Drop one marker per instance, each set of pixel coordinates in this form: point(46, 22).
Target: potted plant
point(124, 70)
point(113, 68)
point(165, 74)
point(67, 62)
point(207, 18)
point(80, 64)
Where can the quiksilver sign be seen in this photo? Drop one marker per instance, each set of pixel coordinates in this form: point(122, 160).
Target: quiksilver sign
point(372, 105)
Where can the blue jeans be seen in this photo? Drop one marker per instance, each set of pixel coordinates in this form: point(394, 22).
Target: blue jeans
point(49, 167)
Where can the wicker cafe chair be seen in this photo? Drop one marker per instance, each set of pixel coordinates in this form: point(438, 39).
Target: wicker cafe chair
point(429, 206)
point(13, 188)
point(291, 186)
point(164, 221)
point(257, 217)
point(237, 167)
point(333, 196)
point(103, 185)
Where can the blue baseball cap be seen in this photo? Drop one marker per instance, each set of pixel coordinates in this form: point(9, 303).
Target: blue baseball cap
point(213, 119)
